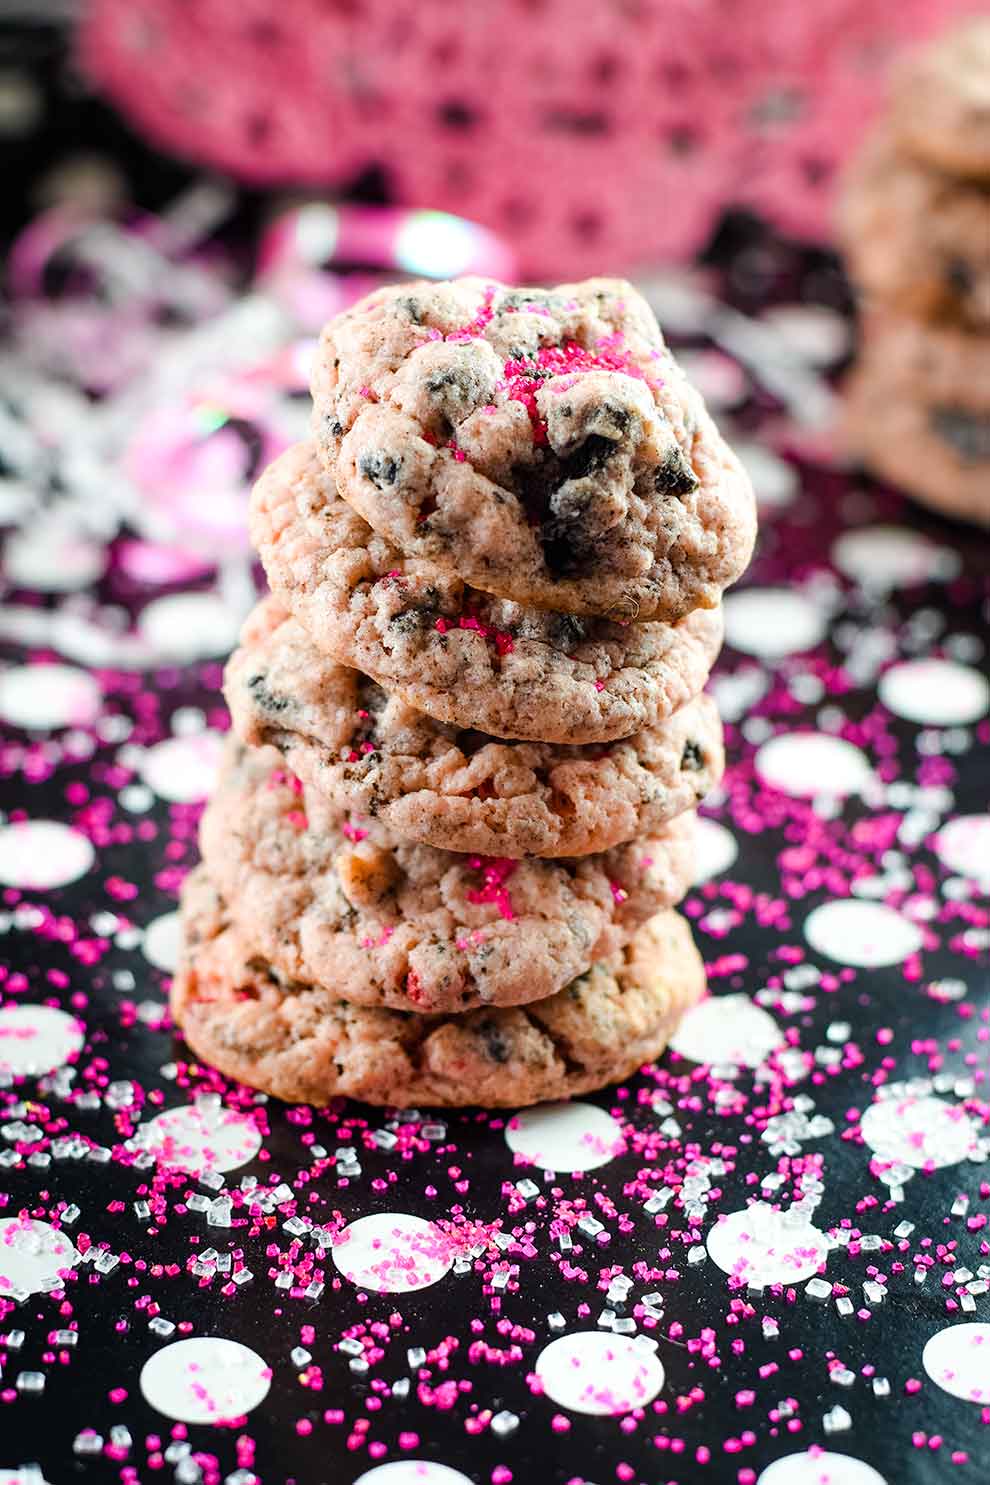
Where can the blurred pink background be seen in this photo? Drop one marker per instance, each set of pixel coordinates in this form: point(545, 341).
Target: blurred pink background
point(592, 134)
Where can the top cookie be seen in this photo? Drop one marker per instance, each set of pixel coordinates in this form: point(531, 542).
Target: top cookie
point(541, 444)
point(940, 107)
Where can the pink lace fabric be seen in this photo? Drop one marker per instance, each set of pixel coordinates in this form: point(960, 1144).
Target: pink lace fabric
point(589, 133)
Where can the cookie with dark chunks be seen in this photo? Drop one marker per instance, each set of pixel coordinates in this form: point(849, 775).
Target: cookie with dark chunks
point(915, 238)
point(918, 413)
point(541, 444)
point(940, 101)
point(300, 1043)
point(339, 901)
point(368, 751)
point(455, 653)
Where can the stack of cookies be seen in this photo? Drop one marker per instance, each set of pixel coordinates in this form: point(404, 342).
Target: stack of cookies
point(468, 730)
point(915, 224)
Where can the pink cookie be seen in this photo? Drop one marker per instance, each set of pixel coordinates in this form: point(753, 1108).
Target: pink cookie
point(460, 655)
point(340, 902)
point(541, 444)
point(302, 1043)
point(370, 752)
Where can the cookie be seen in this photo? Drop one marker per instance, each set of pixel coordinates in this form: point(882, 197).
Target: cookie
point(918, 413)
point(299, 1042)
point(542, 445)
point(338, 901)
point(940, 103)
point(457, 654)
point(917, 239)
point(368, 751)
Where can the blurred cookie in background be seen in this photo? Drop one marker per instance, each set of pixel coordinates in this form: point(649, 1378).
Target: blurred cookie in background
point(940, 101)
point(918, 412)
point(914, 221)
point(916, 238)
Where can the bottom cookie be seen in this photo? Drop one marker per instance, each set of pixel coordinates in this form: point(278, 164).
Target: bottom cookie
point(302, 1044)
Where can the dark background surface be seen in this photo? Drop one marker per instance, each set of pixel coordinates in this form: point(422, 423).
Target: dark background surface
point(114, 1341)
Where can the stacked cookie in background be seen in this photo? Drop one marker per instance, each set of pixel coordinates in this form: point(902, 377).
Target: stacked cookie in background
point(915, 225)
point(468, 730)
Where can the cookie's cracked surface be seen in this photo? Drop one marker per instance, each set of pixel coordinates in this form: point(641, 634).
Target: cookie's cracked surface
point(460, 655)
point(367, 750)
point(338, 901)
point(542, 445)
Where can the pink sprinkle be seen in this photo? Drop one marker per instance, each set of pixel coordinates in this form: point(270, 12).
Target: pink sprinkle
point(524, 378)
point(497, 871)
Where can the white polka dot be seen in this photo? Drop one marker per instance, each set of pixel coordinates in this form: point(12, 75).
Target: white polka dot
point(763, 1246)
point(809, 764)
point(35, 1039)
point(392, 1252)
point(17, 500)
point(41, 854)
point(32, 1255)
point(196, 1139)
point(720, 380)
point(412, 1472)
point(820, 1467)
point(920, 1132)
point(866, 934)
point(958, 1360)
point(52, 559)
point(186, 626)
point(205, 1380)
point(183, 769)
point(775, 482)
point(715, 849)
point(47, 696)
point(936, 693)
point(592, 1372)
point(565, 1136)
point(886, 557)
point(162, 941)
point(820, 336)
point(773, 622)
point(727, 1029)
point(964, 846)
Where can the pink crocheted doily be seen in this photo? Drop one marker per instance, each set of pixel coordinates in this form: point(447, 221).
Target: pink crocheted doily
point(590, 133)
